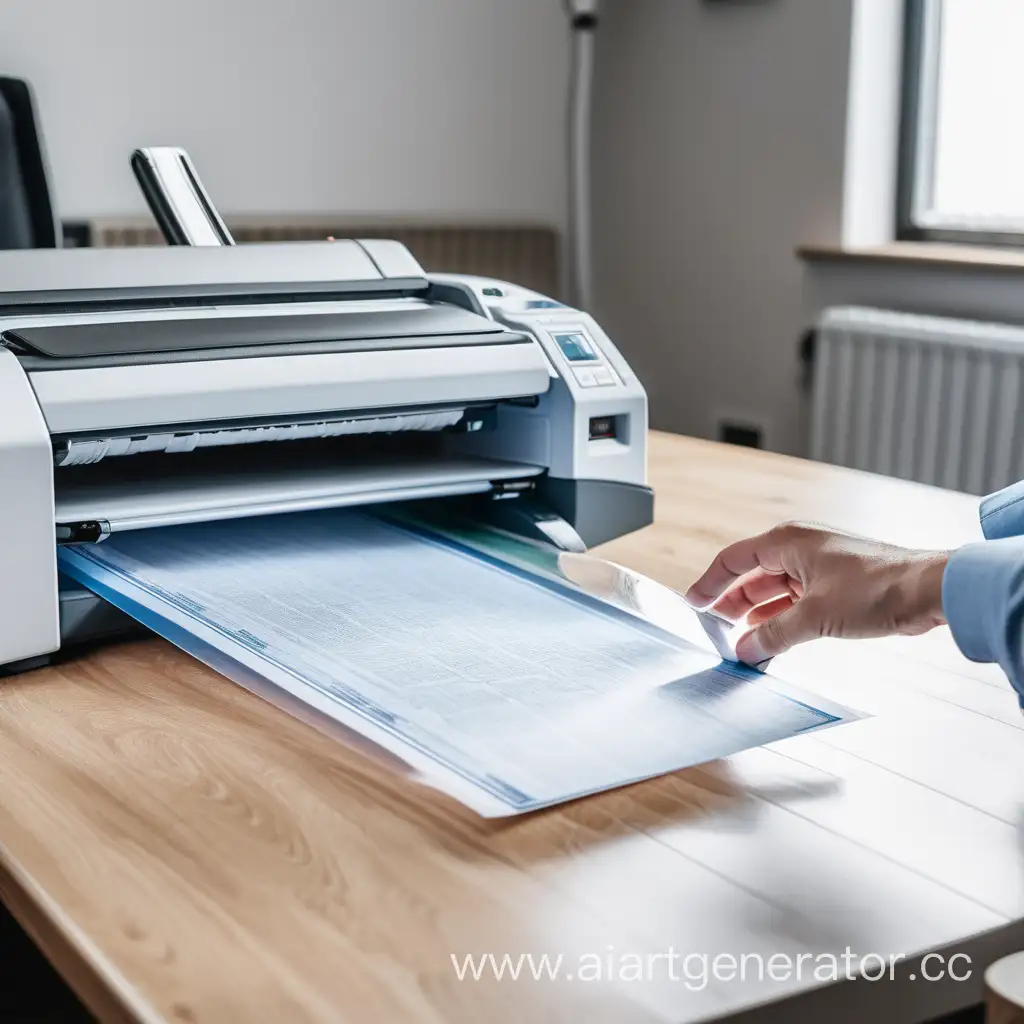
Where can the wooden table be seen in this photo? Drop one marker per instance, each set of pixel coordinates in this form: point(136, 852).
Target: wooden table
point(185, 852)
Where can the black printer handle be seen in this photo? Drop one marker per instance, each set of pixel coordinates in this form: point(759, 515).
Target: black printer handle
point(179, 202)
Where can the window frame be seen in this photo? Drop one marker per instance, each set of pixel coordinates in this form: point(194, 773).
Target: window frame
point(916, 218)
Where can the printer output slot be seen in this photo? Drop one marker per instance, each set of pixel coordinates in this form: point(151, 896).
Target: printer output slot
point(90, 448)
point(153, 490)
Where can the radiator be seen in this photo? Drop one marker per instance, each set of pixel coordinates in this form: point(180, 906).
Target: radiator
point(931, 399)
point(523, 253)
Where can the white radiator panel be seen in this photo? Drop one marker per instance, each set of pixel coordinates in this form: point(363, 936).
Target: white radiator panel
point(931, 399)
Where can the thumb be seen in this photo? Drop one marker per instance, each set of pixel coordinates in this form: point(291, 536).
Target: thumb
point(797, 624)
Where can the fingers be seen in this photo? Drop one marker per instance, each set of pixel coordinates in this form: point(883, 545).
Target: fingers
point(758, 587)
point(733, 562)
point(803, 620)
point(764, 612)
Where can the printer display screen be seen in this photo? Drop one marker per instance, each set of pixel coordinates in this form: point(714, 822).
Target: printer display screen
point(575, 347)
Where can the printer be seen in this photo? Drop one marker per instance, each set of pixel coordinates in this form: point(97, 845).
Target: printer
point(206, 380)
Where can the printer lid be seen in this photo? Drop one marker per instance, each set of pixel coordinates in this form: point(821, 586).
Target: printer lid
point(33, 279)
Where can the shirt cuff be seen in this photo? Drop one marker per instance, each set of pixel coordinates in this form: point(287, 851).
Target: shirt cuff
point(970, 574)
point(976, 579)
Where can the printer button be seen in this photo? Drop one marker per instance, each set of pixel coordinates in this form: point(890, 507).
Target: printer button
point(586, 378)
point(603, 375)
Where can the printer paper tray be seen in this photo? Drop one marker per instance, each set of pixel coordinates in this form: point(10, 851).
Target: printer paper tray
point(183, 493)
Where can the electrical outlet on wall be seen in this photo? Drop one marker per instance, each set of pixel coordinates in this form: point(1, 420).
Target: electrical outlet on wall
point(740, 431)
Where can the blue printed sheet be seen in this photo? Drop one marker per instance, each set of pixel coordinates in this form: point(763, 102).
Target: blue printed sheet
point(495, 684)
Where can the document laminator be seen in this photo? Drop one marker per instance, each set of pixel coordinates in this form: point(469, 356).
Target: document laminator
point(202, 381)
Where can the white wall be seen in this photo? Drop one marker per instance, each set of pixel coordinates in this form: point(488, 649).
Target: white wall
point(719, 147)
point(447, 107)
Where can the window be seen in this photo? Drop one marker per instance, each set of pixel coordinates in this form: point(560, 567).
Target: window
point(962, 160)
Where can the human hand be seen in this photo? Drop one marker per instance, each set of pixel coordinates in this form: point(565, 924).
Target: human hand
point(799, 582)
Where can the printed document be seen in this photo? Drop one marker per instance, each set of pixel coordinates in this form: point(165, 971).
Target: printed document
point(498, 686)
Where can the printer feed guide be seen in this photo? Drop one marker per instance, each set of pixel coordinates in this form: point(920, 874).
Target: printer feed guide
point(502, 688)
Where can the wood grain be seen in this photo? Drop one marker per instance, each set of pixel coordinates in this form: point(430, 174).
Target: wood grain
point(184, 851)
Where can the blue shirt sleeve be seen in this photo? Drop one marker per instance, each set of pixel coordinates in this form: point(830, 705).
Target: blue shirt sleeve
point(983, 588)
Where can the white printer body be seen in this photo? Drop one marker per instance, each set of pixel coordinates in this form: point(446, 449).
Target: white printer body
point(147, 387)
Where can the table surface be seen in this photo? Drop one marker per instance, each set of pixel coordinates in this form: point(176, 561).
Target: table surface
point(184, 851)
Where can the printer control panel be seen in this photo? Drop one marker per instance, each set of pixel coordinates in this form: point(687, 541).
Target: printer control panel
point(588, 366)
point(566, 334)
